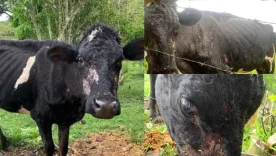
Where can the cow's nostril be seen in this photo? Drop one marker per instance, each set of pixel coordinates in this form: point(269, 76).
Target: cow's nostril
point(97, 105)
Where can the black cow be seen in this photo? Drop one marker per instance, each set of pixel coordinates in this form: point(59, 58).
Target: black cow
point(58, 83)
point(206, 42)
point(161, 26)
point(206, 114)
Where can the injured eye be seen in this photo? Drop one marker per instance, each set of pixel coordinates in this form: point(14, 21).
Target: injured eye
point(80, 61)
point(187, 106)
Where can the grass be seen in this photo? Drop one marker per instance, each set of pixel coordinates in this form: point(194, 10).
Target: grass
point(21, 130)
point(6, 31)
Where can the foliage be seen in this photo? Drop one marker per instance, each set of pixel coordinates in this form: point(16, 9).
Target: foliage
point(66, 20)
point(6, 32)
point(265, 125)
point(168, 150)
point(24, 31)
point(4, 6)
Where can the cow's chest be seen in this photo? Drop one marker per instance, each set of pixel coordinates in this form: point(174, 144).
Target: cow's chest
point(63, 114)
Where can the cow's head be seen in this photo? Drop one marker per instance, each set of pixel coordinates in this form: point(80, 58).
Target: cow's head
point(161, 25)
point(206, 114)
point(99, 57)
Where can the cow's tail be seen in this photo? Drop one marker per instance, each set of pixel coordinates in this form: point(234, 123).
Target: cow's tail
point(273, 51)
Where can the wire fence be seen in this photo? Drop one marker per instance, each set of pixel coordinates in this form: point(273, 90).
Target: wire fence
point(189, 60)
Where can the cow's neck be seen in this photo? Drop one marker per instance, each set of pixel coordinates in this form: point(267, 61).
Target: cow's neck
point(64, 82)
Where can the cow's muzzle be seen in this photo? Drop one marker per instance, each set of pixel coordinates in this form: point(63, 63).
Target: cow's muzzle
point(103, 107)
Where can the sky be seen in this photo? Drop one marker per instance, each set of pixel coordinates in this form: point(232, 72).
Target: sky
point(3, 17)
point(251, 9)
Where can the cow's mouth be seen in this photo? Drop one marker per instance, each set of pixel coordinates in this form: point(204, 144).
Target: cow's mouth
point(212, 145)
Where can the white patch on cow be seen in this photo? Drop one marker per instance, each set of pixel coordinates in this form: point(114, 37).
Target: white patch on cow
point(86, 87)
point(148, 5)
point(26, 72)
point(23, 110)
point(271, 59)
point(91, 78)
point(94, 33)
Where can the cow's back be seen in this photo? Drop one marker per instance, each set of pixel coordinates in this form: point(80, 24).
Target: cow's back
point(223, 39)
point(13, 61)
point(17, 59)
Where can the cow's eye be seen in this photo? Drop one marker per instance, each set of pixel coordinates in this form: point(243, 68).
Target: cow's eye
point(187, 107)
point(80, 61)
point(185, 104)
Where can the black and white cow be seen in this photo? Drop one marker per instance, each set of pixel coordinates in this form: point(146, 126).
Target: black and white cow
point(58, 83)
point(206, 114)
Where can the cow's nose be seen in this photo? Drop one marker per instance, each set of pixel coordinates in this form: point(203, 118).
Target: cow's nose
point(105, 107)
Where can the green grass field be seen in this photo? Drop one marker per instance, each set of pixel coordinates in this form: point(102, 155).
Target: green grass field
point(6, 31)
point(21, 130)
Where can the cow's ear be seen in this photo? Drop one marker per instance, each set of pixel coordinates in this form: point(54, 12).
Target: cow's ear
point(189, 16)
point(134, 50)
point(61, 54)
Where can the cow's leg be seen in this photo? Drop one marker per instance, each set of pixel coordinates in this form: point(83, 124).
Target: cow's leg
point(63, 137)
point(260, 71)
point(152, 100)
point(3, 140)
point(45, 131)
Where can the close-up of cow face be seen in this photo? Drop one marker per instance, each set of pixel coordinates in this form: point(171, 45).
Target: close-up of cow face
point(206, 114)
point(101, 58)
point(98, 58)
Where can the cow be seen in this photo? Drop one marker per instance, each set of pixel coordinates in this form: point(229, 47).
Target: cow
point(206, 113)
point(194, 41)
point(58, 83)
point(161, 26)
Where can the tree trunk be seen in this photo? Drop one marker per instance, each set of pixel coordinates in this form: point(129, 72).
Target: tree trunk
point(32, 13)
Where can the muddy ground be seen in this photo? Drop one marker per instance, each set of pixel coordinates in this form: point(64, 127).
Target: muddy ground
point(95, 144)
point(155, 141)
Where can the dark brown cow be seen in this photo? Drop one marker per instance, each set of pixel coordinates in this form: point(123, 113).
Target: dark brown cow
point(205, 42)
point(161, 25)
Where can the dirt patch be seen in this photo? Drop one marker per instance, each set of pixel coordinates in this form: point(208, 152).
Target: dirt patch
point(95, 144)
point(105, 144)
point(155, 141)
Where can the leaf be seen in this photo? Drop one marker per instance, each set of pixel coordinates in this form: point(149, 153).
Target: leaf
point(271, 140)
point(272, 97)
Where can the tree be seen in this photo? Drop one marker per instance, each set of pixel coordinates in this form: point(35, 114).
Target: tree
point(4, 7)
point(66, 20)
